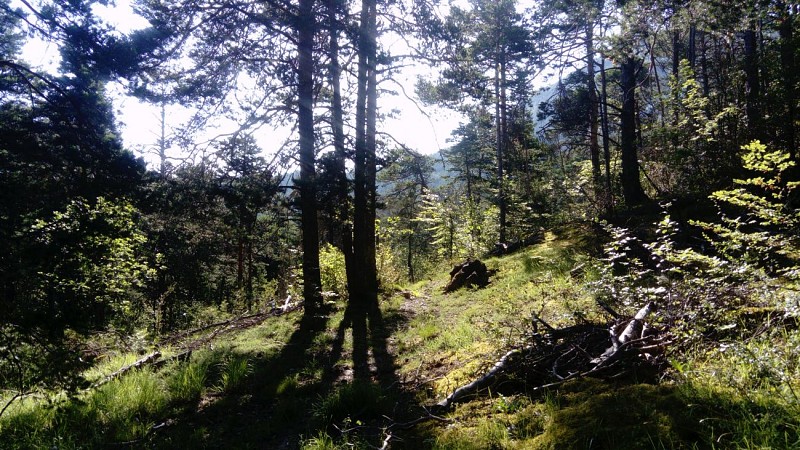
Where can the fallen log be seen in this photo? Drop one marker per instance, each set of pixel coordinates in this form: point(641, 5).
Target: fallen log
point(125, 369)
point(634, 330)
point(155, 359)
point(468, 389)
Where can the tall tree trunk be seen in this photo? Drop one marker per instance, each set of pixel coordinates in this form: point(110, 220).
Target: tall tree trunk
point(677, 51)
point(609, 193)
point(162, 142)
point(501, 195)
point(371, 188)
point(704, 66)
point(591, 88)
point(787, 50)
point(342, 225)
point(307, 183)
point(364, 175)
point(631, 184)
point(752, 83)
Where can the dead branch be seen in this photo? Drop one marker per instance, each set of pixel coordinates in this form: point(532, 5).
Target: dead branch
point(125, 369)
point(483, 381)
point(559, 355)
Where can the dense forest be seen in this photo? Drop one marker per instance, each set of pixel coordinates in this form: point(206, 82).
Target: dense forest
point(662, 132)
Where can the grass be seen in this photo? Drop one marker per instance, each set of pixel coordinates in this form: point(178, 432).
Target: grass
point(271, 387)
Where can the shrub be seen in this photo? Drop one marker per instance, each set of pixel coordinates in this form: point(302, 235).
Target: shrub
point(332, 269)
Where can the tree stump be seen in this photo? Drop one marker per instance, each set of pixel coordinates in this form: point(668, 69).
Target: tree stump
point(471, 273)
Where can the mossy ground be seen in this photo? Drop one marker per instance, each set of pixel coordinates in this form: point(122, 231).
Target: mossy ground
point(350, 379)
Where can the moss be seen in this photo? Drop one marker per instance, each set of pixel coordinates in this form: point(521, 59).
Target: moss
point(593, 414)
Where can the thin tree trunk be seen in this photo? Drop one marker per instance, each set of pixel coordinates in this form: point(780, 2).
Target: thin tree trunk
point(591, 88)
point(787, 50)
point(752, 83)
point(505, 144)
point(307, 182)
point(499, 152)
point(631, 184)
point(704, 65)
point(250, 274)
point(342, 226)
point(609, 194)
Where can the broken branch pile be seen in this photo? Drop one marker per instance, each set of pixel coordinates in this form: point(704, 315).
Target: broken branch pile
point(556, 355)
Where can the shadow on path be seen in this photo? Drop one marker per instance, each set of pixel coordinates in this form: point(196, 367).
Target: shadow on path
point(270, 408)
point(372, 361)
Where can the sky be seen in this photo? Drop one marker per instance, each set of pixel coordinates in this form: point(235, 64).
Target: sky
point(426, 131)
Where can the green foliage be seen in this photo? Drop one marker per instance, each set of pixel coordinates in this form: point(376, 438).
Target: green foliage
point(459, 231)
point(332, 269)
point(763, 233)
point(124, 409)
point(94, 262)
point(187, 381)
point(731, 308)
point(352, 402)
point(235, 371)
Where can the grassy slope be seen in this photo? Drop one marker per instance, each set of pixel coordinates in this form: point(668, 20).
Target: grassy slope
point(318, 384)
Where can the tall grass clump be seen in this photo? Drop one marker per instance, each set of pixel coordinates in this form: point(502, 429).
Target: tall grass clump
point(127, 407)
point(359, 400)
point(235, 370)
point(187, 382)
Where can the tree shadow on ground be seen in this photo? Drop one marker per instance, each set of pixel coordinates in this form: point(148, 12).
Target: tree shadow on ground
point(265, 410)
point(308, 390)
point(373, 364)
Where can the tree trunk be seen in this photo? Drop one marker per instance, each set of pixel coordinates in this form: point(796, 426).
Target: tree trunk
point(371, 188)
point(752, 83)
point(499, 152)
point(307, 182)
point(591, 88)
point(704, 65)
point(677, 51)
point(631, 184)
point(364, 175)
point(787, 50)
point(691, 51)
point(609, 194)
point(342, 225)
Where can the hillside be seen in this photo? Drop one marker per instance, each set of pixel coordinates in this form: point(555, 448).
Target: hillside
point(371, 379)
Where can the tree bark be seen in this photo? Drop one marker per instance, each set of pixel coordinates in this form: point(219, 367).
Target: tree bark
point(501, 195)
point(609, 193)
point(787, 50)
point(752, 83)
point(307, 183)
point(591, 88)
point(631, 184)
point(342, 225)
point(371, 188)
point(365, 276)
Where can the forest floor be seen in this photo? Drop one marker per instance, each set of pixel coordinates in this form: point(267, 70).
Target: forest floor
point(371, 377)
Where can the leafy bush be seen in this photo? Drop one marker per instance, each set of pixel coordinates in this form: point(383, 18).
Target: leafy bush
point(730, 302)
point(332, 269)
